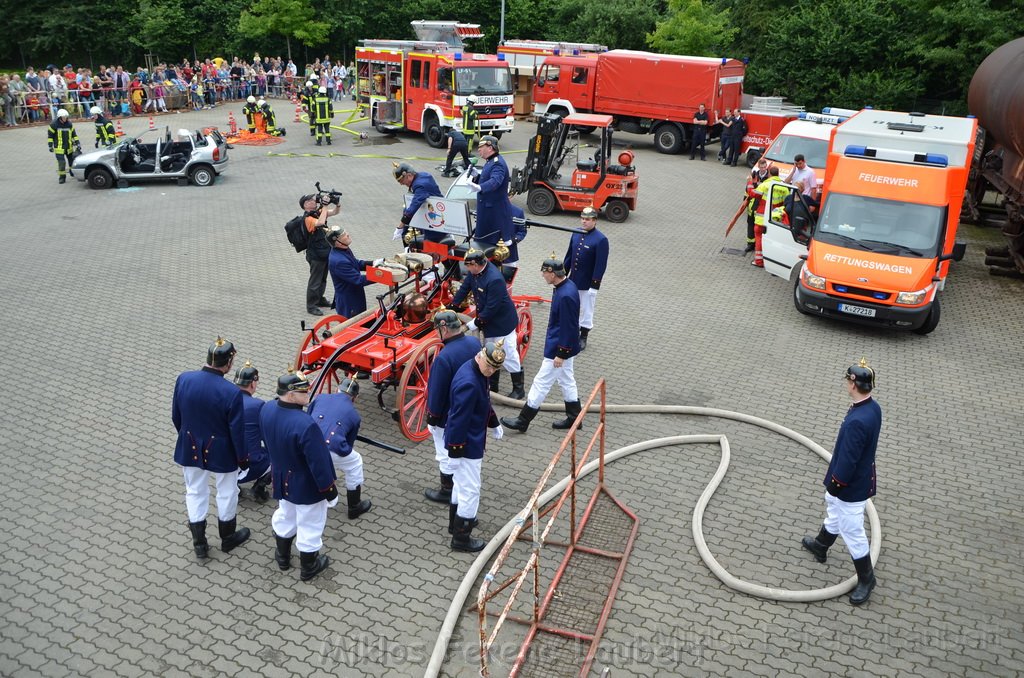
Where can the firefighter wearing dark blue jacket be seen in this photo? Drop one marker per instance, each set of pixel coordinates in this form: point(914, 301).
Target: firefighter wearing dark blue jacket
point(496, 315)
point(303, 476)
point(850, 481)
point(586, 261)
point(339, 422)
point(458, 349)
point(105, 135)
point(465, 437)
point(209, 415)
point(422, 186)
point(347, 274)
point(247, 378)
point(62, 140)
point(561, 345)
point(493, 208)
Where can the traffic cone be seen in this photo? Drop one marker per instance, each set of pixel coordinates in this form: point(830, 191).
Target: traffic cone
point(298, 112)
point(119, 132)
point(232, 125)
point(152, 125)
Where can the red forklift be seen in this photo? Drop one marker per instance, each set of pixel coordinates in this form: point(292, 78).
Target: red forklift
point(595, 181)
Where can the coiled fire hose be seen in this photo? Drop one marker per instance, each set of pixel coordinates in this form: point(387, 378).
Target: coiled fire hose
point(733, 582)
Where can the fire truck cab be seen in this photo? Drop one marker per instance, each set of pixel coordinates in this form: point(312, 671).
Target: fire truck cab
point(422, 85)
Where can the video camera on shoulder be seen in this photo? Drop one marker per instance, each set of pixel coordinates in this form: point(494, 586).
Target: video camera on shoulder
point(331, 197)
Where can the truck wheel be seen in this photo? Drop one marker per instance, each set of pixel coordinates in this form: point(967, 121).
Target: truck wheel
point(540, 201)
point(584, 129)
point(753, 155)
point(616, 211)
point(99, 179)
point(433, 133)
point(796, 285)
point(668, 139)
point(202, 176)
point(932, 321)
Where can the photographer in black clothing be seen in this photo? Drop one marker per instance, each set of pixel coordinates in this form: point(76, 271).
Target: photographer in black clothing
point(317, 208)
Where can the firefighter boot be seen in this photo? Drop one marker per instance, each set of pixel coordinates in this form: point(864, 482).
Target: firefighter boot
point(572, 411)
point(356, 505)
point(820, 545)
point(453, 515)
point(259, 488)
point(230, 537)
point(462, 539)
point(61, 179)
point(522, 420)
point(584, 332)
point(283, 553)
point(199, 543)
point(443, 495)
point(517, 392)
point(495, 381)
point(312, 564)
point(865, 580)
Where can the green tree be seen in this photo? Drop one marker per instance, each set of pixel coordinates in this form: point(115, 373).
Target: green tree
point(694, 28)
point(619, 24)
point(289, 18)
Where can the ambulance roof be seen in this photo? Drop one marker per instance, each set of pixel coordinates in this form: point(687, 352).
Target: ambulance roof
point(939, 134)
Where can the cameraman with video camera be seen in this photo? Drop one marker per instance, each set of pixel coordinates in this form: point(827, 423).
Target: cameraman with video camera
point(317, 207)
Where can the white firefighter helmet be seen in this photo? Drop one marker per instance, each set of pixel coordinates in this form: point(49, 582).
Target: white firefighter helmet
point(184, 134)
point(261, 103)
point(471, 99)
point(309, 83)
point(322, 90)
point(251, 99)
point(95, 110)
point(62, 113)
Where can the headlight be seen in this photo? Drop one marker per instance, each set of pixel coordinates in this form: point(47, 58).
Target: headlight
point(813, 281)
point(913, 298)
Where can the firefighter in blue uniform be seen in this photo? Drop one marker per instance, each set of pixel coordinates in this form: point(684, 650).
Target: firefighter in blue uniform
point(347, 274)
point(208, 414)
point(247, 379)
point(105, 135)
point(303, 476)
point(850, 481)
point(496, 315)
point(493, 208)
point(339, 422)
point(62, 140)
point(465, 438)
point(458, 349)
point(586, 261)
point(561, 345)
point(422, 186)
point(323, 110)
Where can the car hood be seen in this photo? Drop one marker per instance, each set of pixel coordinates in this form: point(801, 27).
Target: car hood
point(95, 156)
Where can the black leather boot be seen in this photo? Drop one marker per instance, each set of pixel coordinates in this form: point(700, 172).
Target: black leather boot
point(522, 421)
point(199, 543)
point(517, 392)
point(230, 537)
point(259, 488)
point(820, 545)
point(584, 331)
point(283, 553)
point(865, 580)
point(312, 564)
point(462, 539)
point(453, 512)
point(356, 506)
point(572, 410)
point(495, 381)
point(443, 495)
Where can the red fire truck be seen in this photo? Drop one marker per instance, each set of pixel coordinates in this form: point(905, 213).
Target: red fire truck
point(645, 93)
point(421, 85)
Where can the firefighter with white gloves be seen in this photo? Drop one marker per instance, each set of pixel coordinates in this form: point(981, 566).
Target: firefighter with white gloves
point(586, 261)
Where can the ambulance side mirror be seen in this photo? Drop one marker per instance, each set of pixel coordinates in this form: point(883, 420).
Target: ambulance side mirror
point(959, 250)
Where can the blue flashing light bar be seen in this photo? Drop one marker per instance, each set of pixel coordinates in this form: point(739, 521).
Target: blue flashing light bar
point(501, 57)
point(458, 56)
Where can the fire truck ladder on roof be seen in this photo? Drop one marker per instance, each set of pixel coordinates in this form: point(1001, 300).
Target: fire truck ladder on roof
point(568, 619)
point(564, 47)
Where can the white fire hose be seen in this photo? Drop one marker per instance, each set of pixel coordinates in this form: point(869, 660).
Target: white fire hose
point(766, 592)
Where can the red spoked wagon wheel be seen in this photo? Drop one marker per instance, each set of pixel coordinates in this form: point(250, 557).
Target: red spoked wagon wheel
point(412, 391)
point(326, 323)
point(524, 333)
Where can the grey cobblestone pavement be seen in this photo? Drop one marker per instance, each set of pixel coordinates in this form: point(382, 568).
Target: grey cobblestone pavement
point(108, 295)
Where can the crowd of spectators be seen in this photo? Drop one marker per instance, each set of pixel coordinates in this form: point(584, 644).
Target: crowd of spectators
point(37, 96)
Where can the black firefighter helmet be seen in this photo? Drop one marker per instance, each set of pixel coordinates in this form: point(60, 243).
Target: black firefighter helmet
point(292, 382)
point(493, 354)
point(246, 374)
point(553, 264)
point(862, 375)
point(220, 353)
point(349, 387)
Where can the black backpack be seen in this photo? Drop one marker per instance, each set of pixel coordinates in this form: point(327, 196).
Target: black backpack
point(297, 234)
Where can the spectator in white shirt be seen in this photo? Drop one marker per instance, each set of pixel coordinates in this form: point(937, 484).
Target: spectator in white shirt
point(803, 176)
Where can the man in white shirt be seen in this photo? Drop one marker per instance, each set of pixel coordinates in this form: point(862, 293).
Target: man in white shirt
point(803, 176)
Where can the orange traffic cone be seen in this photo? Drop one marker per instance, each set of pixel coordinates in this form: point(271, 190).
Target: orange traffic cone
point(298, 112)
point(152, 125)
point(232, 125)
point(119, 132)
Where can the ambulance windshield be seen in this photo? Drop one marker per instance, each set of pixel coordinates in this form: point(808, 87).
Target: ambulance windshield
point(482, 80)
point(787, 146)
point(884, 226)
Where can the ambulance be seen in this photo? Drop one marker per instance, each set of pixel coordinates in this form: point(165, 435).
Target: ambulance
point(808, 136)
point(879, 250)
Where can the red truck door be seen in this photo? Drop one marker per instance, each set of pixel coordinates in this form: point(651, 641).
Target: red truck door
point(577, 84)
point(417, 91)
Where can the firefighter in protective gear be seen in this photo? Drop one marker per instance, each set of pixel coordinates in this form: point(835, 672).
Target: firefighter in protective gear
point(764, 190)
point(270, 119)
point(104, 129)
point(62, 140)
point(306, 98)
point(469, 120)
point(323, 111)
point(249, 111)
point(754, 179)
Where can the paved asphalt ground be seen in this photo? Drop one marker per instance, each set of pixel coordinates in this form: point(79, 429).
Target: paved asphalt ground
point(108, 295)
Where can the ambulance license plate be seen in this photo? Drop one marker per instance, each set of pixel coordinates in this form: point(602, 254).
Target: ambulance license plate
point(857, 310)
